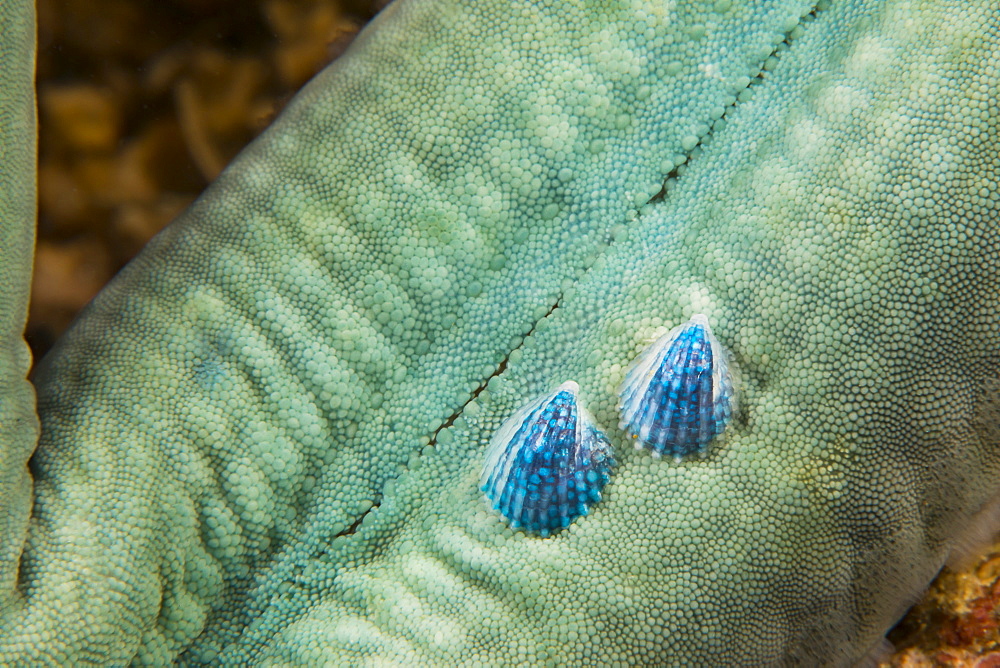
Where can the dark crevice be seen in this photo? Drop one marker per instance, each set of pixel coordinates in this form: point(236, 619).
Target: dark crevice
point(351, 530)
point(499, 370)
point(454, 416)
point(669, 178)
point(765, 67)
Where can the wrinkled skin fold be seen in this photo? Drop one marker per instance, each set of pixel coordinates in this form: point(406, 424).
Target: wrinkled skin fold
point(262, 443)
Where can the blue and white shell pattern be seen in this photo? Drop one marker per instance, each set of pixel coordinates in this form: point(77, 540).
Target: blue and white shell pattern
point(678, 394)
point(547, 464)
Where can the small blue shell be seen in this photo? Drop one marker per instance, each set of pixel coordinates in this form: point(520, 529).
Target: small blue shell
point(547, 464)
point(678, 394)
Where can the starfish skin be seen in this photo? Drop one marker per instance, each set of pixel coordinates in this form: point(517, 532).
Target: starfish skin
point(275, 456)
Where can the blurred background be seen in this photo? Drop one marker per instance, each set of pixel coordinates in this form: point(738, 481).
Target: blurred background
point(142, 103)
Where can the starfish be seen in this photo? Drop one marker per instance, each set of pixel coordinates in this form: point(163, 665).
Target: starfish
point(263, 442)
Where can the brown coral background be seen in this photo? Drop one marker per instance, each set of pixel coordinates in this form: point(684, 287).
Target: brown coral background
point(141, 105)
point(956, 623)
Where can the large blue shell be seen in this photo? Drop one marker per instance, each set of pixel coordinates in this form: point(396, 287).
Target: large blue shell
point(547, 464)
point(678, 394)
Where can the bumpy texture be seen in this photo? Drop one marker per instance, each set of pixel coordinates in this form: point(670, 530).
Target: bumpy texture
point(275, 458)
point(18, 424)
